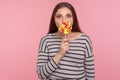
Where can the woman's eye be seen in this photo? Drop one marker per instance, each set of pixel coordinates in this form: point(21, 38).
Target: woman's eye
point(69, 16)
point(59, 16)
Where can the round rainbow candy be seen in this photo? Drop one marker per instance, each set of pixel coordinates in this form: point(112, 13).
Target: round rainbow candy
point(65, 27)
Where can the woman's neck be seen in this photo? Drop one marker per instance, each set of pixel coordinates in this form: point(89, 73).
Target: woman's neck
point(70, 36)
point(61, 35)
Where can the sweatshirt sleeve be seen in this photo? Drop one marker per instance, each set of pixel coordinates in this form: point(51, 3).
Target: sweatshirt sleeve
point(89, 60)
point(44, 66)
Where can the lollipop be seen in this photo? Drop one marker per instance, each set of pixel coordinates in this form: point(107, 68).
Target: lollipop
point(65, 27)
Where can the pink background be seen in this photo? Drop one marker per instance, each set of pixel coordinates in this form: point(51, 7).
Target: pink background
point(24, 22)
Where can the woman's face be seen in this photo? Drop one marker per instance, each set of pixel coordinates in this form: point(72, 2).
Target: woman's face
point(63, 14)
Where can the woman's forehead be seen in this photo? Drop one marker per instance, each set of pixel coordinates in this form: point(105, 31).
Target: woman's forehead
point(64, 10)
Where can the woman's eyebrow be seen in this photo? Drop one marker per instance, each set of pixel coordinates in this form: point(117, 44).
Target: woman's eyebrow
point(58, 14)
point(69, 14)
point(61, 14)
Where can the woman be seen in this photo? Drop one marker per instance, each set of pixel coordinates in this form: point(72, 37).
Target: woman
point(62, 58)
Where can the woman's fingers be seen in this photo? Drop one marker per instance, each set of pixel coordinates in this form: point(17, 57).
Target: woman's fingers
point(64, 46)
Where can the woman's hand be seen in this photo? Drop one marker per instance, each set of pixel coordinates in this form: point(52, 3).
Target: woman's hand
point(64, 46)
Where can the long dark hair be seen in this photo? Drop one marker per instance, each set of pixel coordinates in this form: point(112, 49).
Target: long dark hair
point(53, 28)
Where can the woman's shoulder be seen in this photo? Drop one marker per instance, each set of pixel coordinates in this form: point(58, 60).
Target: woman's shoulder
point(84, 36)
point(48, 36)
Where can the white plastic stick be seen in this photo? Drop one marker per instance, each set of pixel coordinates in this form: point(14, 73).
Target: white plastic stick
point(65, 36)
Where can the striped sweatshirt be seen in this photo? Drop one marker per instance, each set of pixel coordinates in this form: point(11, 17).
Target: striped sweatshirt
point(77, 63)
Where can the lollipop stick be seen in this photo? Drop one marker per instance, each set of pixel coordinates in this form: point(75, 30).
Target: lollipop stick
point(65, 36)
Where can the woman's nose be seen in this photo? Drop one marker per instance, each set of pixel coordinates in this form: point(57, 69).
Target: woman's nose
point(64, 19)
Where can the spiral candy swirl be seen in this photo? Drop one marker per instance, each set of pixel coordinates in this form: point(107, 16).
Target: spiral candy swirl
point(65, 27)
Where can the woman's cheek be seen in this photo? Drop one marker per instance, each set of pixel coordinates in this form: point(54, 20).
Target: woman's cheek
point(57, 24)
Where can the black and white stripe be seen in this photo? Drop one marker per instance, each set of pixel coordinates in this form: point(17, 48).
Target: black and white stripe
point(77, 63)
